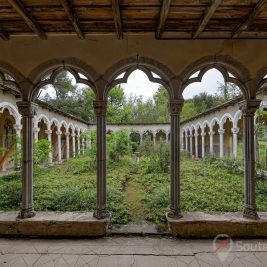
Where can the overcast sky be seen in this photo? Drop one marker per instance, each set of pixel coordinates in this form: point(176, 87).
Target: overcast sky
point(139, 84)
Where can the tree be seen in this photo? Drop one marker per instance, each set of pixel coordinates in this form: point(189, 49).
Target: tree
point(228, 91)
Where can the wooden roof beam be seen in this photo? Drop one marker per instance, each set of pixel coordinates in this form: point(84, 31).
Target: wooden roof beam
point(117, 18)
point(4, 35)
point(67, 5)
point(206, 17)
point(30, 21)
point(164, 11)
point(259, 7)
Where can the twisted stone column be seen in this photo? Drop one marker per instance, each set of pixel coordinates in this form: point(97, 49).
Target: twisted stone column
point(248, 108)
point(49, 138)
point(175, 108)
point(67, 146)
point(28, 110)
point(211, 133)
point(221, 132)
point(100, 107)
point(235, 132)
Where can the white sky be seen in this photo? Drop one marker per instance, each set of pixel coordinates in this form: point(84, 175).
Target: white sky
point(139, 84)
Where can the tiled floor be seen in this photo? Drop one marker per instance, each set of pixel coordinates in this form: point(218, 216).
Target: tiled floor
point(130, 251)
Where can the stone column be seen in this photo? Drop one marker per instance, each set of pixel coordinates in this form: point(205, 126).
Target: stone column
point(167, 135)
point(79, 144)
point(35, 133)
point(196, 144)
point(154, 138)
point(141, 138)
point(203, 134)
point(67, 146)
point(235, 132)
point(73, 145)
point(18, 129)
point(186, 142)
point(175, 108)
point(191, 143)
point(221, 132)
point(59, 146)
point(211, 133)
point(83, 145)
point(49, 138)
point(100, 107)
point(248, 108)
point(28, 110)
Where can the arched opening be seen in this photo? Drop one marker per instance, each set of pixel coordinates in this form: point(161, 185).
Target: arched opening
point(161, 136)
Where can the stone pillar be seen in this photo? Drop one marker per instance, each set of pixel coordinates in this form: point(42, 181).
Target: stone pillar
point(67, 146)
point(28, 110)
point(141, 138)
point(196, 144)
point(167, 135)
point(49, 138)
point(100, 107)
point(35, 133)
point(191, 144)
point(203, 134)
point(221, 132)
point(235, 132)
point(175, 108)
point(83, 145)
point(59, 146)
point(248, 108)
point(79, 144)
point(154, 138)
point(186, 142)
point(18, 129)
point(73, 145)
point(211, 133)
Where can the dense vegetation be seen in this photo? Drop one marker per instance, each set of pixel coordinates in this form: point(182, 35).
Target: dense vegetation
point(138, 188)
point(79, 102)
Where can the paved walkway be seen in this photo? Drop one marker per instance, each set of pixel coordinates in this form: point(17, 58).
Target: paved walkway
point(131, 251)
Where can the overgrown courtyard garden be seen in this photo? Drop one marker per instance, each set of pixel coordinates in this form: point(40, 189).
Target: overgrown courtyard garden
point(138, 183)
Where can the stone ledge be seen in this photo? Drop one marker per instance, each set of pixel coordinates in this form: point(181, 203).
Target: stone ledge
point(53, 224)
point(203, 225)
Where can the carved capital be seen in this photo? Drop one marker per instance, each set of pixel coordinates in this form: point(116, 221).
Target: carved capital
point(211, 133)
point(221, 131)
point(100, 107)
point(249, 107)
point(175, 106)
point(235, 130)
point(27, 109)
point(58, 132)
point(48, 132)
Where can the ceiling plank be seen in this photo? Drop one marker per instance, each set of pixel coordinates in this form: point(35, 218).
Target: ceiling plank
point(30, 21)
point(164, 11)
point(117, 18)
point(4, 35)
point(259, 7)
point(67, 5)
point(206, 17)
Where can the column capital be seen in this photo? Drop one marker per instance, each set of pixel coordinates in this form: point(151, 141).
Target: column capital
point(203, 134)
point(175, 106)
point(36, 130)
point(73, 135)
point(190, 135)
point(58, 132)
point(249, 107)
point(211, 133)
point(17, 127)
point(221, 131)
point(100, 107)
point(27, 109)
point(235, 130)
point(48, 131)
point(67, 134)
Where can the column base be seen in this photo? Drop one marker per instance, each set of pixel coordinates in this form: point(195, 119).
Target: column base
point(101, 214)
point(250, 214)
point(175, 214)
point(28, 213)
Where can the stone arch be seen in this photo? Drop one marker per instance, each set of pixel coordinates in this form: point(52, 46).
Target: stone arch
point(236, 118)
point(223, 64)
point(148, 66)
point(261, 77)
point(55, 66)
point(71, 126)
point(224, 118)
point(204, 124)
point(45, 118)
point(64, 123)
point(12, 110)
point(213, 122)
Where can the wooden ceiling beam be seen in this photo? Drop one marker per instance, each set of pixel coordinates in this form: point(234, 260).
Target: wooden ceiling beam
point(4, 34)
point(117, 18)
point(259, 7)
point(206, 17)
point(30, 21)
point(164, 11)
point(67, 5)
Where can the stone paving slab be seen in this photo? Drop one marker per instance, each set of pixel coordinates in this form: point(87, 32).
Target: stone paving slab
point(129, 252)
